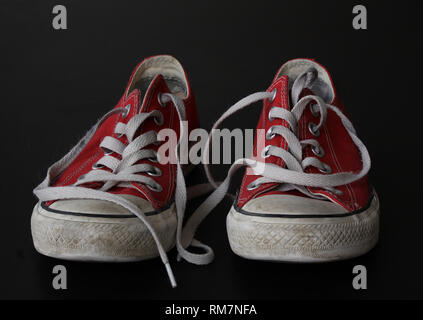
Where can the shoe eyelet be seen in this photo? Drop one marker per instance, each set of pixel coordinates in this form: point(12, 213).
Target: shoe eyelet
point(338, 192)
point(155, 158)
point(265, 152)
point(159, 120)
point(326, 170)
point(318, 151)
point(126, 112)
point(270, 134)
point(97, 166)
point(106, 151)
point(155, 172)
point(252, 186)
point(312, 129)
point(269, 117)
point(155, 188)
point(315, 113)
point(274, 92)
point(159, 98)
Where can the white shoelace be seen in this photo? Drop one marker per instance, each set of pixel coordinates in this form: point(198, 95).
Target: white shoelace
point(291, 177)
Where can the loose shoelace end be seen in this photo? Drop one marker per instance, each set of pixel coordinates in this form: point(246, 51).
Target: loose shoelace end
point(170, 274)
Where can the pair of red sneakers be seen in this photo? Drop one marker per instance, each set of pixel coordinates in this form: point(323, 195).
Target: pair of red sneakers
point(304, 197)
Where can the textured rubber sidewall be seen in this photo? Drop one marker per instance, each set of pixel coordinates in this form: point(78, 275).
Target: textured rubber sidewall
point(303, 239)
point(100, 239)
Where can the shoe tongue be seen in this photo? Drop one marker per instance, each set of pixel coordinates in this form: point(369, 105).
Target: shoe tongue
point(291, 89)
point(302, 82)
point(301, 86)
point(307, 74)
point(145, 89)
point(158, 73)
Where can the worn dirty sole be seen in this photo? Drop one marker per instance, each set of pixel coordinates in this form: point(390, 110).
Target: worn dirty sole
point(304, 239)
point(107, 239)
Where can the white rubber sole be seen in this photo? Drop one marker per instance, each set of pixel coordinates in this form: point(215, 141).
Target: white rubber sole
point(100, 239)
point(304, 239)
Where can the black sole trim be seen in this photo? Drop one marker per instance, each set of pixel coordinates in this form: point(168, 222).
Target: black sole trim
point(94, 215)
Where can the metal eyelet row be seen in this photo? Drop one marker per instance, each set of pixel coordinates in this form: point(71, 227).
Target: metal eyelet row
point(156, 172)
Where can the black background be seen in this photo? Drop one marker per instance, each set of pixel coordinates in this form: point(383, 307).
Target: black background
point(56, 83)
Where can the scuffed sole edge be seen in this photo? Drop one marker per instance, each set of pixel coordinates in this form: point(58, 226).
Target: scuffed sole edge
point(303, 239)
point(100, 239)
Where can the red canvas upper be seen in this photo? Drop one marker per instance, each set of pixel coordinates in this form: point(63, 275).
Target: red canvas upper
point(341, 154)
point(92, 152)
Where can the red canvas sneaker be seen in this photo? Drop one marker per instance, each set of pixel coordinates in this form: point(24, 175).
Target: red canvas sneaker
point(110, 198)
point(305, 196)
